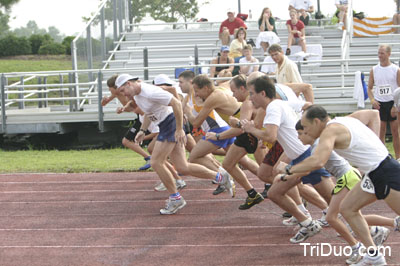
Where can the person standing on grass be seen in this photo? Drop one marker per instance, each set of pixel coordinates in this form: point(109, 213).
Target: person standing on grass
point(360, 146)
point(384, 79)
point(162, 108)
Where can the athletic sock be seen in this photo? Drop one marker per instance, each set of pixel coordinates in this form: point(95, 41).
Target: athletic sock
point(218, 178)
point(176, 196)
point(306, 222)
point(302, 208)
point(356, 246)
point(252, 193)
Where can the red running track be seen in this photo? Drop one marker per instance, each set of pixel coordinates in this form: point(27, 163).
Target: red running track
point(113, 219)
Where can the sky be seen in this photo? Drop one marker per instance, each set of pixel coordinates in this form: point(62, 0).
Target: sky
point(66, 15)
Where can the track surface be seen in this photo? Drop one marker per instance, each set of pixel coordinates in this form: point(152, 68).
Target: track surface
point(113, 219)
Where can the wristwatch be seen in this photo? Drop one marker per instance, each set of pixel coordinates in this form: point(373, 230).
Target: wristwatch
point(287, 169)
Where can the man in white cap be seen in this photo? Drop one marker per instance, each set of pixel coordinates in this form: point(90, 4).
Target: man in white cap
point(163, 109)
point(229, 26)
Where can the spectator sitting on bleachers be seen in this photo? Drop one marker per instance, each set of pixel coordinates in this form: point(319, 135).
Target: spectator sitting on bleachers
point(268, 34)
point(297, 33)
point(236, 47)
point(228, 27)
point(342, 6)
point(248, 58)
point(223, 58)
point(286, 70)
point(303, 8)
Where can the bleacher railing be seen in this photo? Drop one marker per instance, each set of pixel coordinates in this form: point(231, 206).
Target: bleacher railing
point(347, 38)
point(90, 47)
point(56, 90)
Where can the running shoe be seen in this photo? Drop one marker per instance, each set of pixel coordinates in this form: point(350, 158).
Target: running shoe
point(219, 190)
point(265, 192)
point(173, 205)
point(397, 224)
point(180, 183)
point(146, 165)
point(355, 255)
point(286, 215)
point(322, 221)
point(160, 187)
point(306, 232)
point(368, 261)
point(293, 221)
point(250, 202)
point(379, 234)
point(228, 183)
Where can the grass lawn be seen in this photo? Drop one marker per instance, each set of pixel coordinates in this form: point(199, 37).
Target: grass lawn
point(99, 160)
point(30, 63)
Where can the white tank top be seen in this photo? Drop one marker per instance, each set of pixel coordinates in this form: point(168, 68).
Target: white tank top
point(365, 151)
point(385, 80)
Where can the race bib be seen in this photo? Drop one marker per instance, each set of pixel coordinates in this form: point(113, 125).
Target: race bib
point(367, 185)
point(384, 90)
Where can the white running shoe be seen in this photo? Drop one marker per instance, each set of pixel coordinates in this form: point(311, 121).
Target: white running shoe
point(322, 221)
point(305, 232)
point(355, 255)
point(160, 187)
point(172, 205)
point(180, 183)
point(369, 261)
point(379, 234)
point(397, 224)
point(293, 221)
point(227, 182)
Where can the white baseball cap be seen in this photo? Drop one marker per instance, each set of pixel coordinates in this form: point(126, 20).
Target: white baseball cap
point(124, 78)
point(230, 10)
point(163, 79)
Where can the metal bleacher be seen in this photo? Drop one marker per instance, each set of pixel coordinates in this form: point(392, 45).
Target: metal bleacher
point(169, 46)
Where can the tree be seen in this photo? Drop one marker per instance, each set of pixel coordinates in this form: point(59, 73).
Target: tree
point(165, 10)
point(5, 7)
point(173, 10)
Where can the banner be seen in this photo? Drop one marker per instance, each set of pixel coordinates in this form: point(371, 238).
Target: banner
point(372, 26)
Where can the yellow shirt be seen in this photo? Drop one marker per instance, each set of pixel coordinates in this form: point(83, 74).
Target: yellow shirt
point(288, 72)
point(235, 45)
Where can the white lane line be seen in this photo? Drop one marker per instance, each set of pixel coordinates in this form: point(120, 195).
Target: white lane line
point(93, 191)
point(145, 228)
point(108, 201)
point(166, 245)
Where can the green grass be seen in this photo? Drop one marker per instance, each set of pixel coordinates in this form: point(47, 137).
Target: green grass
point(32, 63)
point(69, 161)
point(99, 160)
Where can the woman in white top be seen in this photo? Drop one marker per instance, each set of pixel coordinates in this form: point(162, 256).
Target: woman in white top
point(268, 34)
point(248, 58)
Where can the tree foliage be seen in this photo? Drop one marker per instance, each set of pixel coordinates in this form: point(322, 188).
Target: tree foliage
point(5, 6)
point(164, 10)
point(173, 10)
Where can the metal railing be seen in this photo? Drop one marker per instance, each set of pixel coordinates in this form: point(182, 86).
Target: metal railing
point(90, 47)
point(347, 38)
